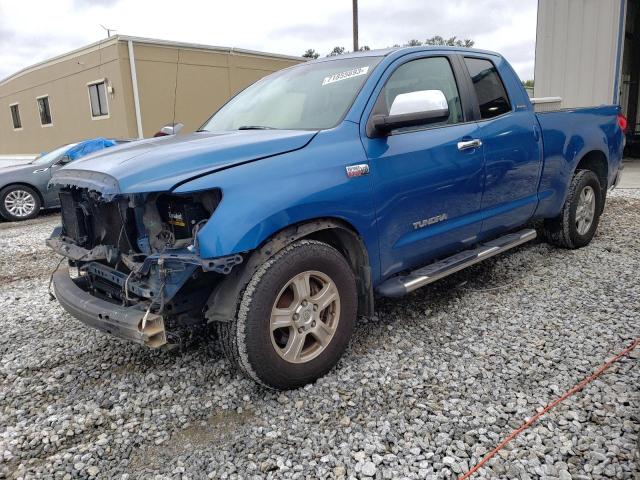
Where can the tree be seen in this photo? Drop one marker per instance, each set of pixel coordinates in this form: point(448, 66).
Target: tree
point(365, 48)
point(452, 42)
point(336, 51)
point(528, 83)
point(311, 53)
point(413, 43)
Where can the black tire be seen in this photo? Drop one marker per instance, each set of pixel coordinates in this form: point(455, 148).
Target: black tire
point(13, 189)
point(562, 230)
point(247, 340)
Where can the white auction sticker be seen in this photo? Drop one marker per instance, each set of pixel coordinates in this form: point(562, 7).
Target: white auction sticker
point(336, 77)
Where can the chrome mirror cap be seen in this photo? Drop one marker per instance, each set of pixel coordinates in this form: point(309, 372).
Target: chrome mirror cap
point(171, 129)
point(419, 101)
point(411, 109)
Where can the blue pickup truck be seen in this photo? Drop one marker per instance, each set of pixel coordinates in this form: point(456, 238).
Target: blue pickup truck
point(317, 189)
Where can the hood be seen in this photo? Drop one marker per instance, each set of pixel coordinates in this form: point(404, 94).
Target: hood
point(20, 167)
point(159, 164)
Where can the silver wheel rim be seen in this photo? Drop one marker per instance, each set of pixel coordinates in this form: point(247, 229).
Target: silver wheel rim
point(19, 203)
point(304, 317)
point(586, 210)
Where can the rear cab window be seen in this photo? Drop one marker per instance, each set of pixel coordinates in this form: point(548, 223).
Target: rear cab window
point(490, 92)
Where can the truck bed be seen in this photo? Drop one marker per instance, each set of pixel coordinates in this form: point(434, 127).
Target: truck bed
point(567, 136)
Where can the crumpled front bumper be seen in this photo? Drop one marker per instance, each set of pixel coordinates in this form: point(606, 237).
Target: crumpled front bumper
point(128, 323)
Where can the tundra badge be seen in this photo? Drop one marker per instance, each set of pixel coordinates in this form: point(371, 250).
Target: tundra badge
point(429, 221)
point(357, 170)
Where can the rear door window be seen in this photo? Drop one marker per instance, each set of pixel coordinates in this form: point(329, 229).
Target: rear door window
point(490, 91)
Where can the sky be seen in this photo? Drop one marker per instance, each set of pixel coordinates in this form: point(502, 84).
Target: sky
point(32, 31)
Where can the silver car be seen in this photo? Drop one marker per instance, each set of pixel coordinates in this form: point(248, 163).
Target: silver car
point(23, 188)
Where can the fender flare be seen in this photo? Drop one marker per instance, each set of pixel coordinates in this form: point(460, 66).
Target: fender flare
point(224, 299)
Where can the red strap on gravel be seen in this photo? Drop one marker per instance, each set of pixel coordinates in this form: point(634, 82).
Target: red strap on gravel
point(549, 406)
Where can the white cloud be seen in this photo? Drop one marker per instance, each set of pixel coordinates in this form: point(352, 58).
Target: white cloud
point(31, 31)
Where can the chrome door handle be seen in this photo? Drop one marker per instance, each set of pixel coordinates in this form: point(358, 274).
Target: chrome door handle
point(475, 143)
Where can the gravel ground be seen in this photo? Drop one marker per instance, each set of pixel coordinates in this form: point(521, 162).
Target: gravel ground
point(425, 390)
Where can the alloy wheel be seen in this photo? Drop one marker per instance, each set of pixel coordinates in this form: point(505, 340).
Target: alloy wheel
point(585, 210)
point(305, 316)
point(19, 203)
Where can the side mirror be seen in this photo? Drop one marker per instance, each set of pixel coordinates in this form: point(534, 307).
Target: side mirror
point(413, 109)
point(63, 160)
point(171, 129)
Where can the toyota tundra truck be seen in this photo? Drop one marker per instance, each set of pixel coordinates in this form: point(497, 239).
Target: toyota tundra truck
point(318, 189)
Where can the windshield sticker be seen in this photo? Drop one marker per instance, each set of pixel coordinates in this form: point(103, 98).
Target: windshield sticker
point(336, 77)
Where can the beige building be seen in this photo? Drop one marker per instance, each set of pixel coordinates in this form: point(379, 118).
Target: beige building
point(123, 87)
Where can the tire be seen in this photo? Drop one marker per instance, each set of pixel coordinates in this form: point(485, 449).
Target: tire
point(19, 202)
point(567, 230)
point(266, 354)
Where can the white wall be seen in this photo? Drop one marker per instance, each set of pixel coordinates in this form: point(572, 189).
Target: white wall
point(577, 51)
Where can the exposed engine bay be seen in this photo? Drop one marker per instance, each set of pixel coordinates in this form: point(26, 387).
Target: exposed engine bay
point(143, 224)
point(141, 250)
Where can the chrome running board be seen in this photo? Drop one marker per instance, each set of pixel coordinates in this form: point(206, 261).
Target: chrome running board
point(402, 284)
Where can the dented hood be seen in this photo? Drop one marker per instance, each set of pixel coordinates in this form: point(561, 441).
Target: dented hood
point(159, 164)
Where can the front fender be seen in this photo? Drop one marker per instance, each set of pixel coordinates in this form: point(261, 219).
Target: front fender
point(262, 198)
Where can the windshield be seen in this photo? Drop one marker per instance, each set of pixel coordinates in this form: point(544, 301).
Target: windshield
point(52, 155)
point(309, 96)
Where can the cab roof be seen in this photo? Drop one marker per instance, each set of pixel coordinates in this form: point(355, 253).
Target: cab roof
point(399, 51)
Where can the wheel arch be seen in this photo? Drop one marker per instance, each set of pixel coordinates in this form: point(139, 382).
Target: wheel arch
point(335, 232)
point(25, 184)
point(596, 161)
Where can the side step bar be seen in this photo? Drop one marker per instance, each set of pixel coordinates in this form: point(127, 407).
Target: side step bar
point(403, 284)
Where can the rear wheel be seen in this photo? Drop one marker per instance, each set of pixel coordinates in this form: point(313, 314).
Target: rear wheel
point(295, 318)
point(576, 225)
point(19, 202)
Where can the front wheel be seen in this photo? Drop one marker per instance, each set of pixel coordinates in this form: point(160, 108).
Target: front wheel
point(19, 202)
point(576, 225)
point(295, 318)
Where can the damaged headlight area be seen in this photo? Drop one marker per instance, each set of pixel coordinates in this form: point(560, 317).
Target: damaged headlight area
point(138, 254)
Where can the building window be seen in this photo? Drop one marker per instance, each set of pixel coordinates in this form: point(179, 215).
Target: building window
point(492, 96)
point(44, 110)
point(98, 100)
point(15, 116)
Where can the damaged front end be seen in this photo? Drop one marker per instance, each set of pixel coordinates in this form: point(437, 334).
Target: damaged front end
point(139, 272)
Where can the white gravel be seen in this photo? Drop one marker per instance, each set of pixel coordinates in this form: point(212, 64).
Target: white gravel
point(424, 391)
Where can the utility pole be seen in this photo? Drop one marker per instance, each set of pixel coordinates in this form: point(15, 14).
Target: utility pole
point(355, 26)
point(108, 30)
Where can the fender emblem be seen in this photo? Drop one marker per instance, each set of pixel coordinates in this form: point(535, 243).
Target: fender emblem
point(357, 170)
